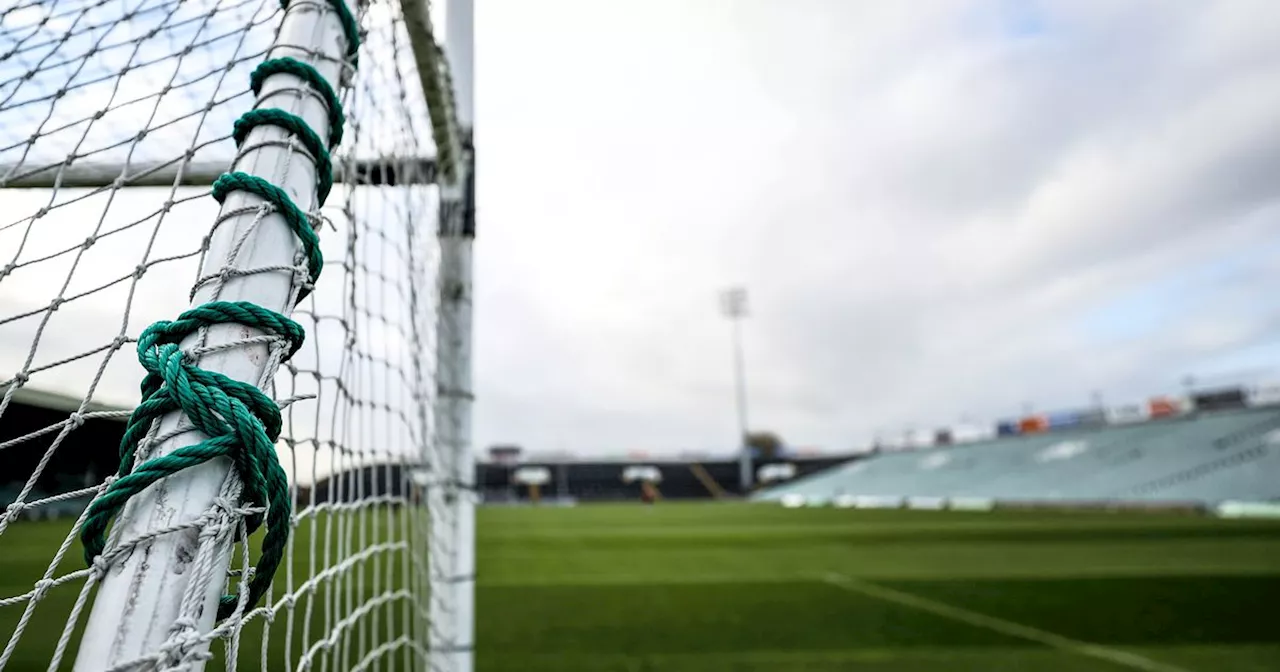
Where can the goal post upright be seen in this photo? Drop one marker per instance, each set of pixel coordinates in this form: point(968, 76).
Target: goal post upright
point(452, 604)
point(160, 596)
point(460, 47)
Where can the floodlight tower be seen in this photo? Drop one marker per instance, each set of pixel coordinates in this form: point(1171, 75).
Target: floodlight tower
point(733, 303)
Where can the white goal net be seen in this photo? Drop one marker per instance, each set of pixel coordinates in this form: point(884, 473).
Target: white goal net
point(234, 336)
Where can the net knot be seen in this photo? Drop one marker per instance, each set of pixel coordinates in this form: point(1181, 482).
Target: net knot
point(41, 588)
point(12, 512)
point(242, 424)
point(269, 614)
point(76, 419)
point(300, 278)
point(182, 635)
point(318, 220)
point(100, 565)
point(181, 646)
point(222, 507)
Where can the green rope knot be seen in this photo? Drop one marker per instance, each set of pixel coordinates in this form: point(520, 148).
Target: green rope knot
point(242, 424)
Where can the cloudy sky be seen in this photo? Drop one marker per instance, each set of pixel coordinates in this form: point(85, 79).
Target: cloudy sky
point(941, 209)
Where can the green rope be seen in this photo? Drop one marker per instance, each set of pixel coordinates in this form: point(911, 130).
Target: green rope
point(308, 74)
point(296, 125)
point(349, 27)
point(297, 221)
point(242, 424)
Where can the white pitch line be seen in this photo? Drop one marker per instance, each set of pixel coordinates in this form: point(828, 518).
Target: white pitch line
point(1130, 660)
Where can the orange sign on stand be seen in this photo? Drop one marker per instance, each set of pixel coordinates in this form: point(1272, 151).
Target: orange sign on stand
point(1032, 424)
point(1162, 407)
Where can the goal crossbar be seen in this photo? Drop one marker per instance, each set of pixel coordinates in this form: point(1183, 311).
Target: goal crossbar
point(382, 172)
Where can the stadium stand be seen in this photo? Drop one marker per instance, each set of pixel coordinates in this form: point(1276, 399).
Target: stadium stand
point(1207, 458)
point(1200, 457)
point(84, 457)
point(602, 480)
point(33, 422)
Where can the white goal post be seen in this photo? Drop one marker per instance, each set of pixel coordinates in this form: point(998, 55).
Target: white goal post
point(272, 470)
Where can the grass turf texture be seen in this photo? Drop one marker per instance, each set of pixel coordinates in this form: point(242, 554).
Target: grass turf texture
point(688, 587)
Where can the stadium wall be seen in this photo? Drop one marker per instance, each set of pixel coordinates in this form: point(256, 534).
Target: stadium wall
point(83, 458)
point(572, 480)
point(34, 423)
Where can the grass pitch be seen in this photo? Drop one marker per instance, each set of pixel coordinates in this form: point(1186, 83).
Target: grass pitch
point(737, 587)
point(756, 587)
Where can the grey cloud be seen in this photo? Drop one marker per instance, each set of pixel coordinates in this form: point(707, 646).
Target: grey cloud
point(926, 205)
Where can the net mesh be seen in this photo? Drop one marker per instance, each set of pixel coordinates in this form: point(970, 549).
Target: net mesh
point(114, 114)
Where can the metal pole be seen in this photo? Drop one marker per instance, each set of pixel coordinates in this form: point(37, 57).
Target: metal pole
point(744, 465)
point(454, 576)
point(87, 174)
point(457, 235)
point(144, 595)
point(734, 306)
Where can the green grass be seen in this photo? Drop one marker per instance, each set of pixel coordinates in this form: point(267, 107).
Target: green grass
point(733, 587)
point(699, 587)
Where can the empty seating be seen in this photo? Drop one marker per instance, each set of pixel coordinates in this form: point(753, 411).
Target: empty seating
point(1212, 457)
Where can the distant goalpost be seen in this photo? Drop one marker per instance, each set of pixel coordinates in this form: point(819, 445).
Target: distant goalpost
point(240, 231)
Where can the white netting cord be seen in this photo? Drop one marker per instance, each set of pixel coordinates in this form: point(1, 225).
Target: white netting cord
point(28, 370)
point(95, 67)
point(354, 587)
